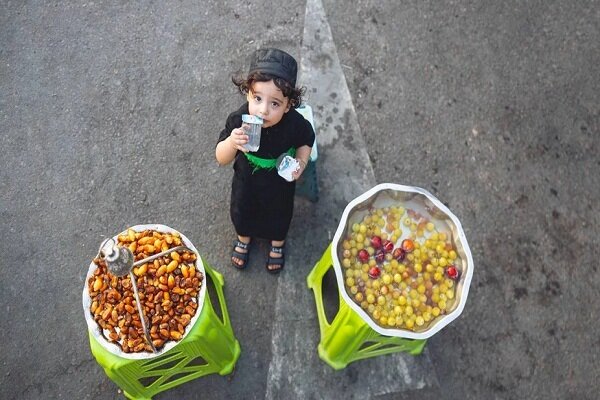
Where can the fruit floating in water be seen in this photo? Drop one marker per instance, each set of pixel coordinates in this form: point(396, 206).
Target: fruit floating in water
point(452, 272)
point(408, 245)
point(399, 254)
point(374, 272)
point(376, 242)
point(388, 246)
point(379, 256)
point(363, 256)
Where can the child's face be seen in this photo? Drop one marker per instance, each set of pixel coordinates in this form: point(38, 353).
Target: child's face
point(267, 101)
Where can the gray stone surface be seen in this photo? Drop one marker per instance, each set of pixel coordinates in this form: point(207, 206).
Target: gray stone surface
point(109, 116)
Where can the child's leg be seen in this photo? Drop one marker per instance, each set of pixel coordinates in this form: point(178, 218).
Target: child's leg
point(278, 265)
point(236, 260)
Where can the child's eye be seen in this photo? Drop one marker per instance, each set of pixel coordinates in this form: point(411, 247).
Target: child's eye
point(275, 105)
point(257, 98)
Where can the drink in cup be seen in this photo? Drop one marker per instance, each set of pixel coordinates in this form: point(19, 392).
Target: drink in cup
point(253, 131)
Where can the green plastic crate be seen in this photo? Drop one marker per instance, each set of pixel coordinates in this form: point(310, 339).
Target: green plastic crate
point(348, 337)
point(210, 347)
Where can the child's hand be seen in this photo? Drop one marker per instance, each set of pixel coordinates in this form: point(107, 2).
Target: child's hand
point(239, 138)
point(301, 167)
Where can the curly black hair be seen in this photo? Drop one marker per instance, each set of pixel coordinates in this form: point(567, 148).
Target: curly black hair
point(244, 85)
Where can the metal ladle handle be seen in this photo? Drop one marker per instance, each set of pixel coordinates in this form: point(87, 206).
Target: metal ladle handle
point(141, 312)
point(135, 290)
point(162, 253)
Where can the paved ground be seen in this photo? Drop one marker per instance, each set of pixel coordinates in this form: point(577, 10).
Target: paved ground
point(495, 108)
point(110, 115)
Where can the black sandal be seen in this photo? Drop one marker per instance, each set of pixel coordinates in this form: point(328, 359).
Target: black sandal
point(280, 261)
point(242, 256)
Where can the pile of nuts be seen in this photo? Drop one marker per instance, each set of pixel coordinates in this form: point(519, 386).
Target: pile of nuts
point(168, 288)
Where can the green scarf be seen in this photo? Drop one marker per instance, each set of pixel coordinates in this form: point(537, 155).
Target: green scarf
point(266, 163)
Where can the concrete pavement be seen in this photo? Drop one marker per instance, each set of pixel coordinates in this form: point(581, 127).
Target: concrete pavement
point(110, 115)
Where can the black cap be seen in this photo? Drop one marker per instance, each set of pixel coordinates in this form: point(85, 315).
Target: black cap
point(275, 62)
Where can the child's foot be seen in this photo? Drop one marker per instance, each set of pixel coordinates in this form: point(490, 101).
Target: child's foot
point(239, 255)
point(276, 258)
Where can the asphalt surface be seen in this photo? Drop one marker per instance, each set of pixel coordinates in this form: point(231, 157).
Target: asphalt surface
point(110, 115)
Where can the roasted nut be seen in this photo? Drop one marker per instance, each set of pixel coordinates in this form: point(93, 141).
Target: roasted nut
point(161, 271)
point(172, 265)
point(106, 313)
point(145, 240)
point(185, 319)
point(131, 235)
point(97, 284)
point(132, 247)
point(141, 270)
point(184, 270)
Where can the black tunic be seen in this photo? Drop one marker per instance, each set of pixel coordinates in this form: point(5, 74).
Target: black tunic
point(262, 202)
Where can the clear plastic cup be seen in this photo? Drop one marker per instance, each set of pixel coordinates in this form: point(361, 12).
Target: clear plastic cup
point(255, 123)
point(286, 166)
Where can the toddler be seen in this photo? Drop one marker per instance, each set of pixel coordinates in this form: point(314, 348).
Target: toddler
point(262, 202)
